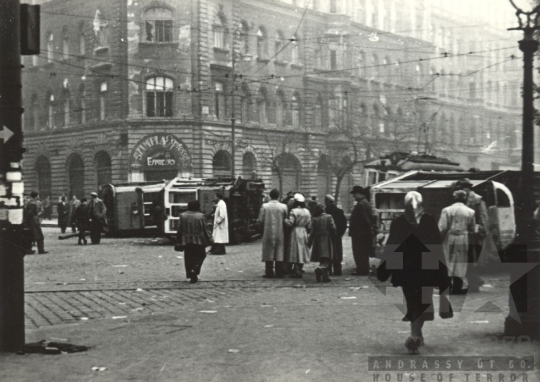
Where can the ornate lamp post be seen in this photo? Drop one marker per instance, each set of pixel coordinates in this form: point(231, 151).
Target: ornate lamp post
point(526, 291)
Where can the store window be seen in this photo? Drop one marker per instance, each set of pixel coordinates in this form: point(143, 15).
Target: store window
point(158, 25)
point(159, 97)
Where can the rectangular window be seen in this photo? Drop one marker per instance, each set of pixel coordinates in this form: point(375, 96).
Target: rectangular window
point(159, 30)
point(219, 100)
point(333, 59)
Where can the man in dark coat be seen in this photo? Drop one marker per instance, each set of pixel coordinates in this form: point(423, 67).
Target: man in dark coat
point(33, 222)
point(63, 214)
point(97, 217)
point(361, 229)
point(341, 226)
point(80, 217)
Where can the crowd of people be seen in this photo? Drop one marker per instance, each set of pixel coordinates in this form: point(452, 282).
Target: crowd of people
point(80, 215)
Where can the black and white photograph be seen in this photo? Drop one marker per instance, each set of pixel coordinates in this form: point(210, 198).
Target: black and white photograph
point(269, 190)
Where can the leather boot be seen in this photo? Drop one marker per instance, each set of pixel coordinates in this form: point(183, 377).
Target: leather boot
point(325, 278)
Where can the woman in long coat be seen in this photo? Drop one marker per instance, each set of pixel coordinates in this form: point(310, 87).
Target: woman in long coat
point(413, 236)
point(456, 224)
point(300, 221)
point(321, 243)
point(221, 227)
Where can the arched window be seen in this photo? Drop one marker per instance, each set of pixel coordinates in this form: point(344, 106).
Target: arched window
point(75, 167)
point(295, 51)
point(222, 164)
point(82, 104)
point(249, 166)
point(262, 99)
point(158, 25)
point(65, 44)
point(43, 171)
point(244, 38)
point(262, 49)
point(101, 30)
point(295, 110)
point(159, 97)
point(318, 113)
point(50, 47)
point(279, 43)
point(219, 100)
point(102, 162)
point(66, 107)
point(286, 171)
point(103, 101)
point(220, 32)
point(82, 40)
point(50, 111)
point(245, 104)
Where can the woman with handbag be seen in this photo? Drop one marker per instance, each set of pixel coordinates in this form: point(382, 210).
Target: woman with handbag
point(192, 237)
point(414, 257)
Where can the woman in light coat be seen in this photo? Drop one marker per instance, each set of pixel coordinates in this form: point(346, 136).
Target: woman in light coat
point(456, 224)
point(221, 227)
point(300, 222)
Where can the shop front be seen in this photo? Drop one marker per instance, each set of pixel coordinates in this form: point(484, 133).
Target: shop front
point(159, 156)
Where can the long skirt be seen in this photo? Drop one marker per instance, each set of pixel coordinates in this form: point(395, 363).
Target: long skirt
point(194, 256)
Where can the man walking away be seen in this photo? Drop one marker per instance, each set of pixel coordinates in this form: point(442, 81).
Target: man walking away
point(63, 214)
point(80, 217)
point(477, 238)
point(361, 228)
point(271, 221)
point(97, 217)
point(193, 236)
point(221, 227)
point(33, 222)
point(341, 226)
point(456, 224)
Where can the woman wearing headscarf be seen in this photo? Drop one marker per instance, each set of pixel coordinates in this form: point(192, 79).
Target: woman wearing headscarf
point(414, 258)
point(320, 241)
point(300, 222)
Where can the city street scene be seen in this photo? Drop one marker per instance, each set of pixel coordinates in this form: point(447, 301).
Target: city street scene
point(269, 190)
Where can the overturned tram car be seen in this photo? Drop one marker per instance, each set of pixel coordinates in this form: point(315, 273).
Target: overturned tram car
point(144, 207)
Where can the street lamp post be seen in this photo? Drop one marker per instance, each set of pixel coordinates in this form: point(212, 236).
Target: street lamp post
point(526, 290)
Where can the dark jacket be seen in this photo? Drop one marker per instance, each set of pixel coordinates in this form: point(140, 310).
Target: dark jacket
point(63, 214)
point(193, 229)
point(80, 216)
point(403, 259)
point(339, 218)
point(32, 219)
point(362, 226)
point(323, 230)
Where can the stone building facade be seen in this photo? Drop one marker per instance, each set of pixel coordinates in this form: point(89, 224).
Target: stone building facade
point(136, 90)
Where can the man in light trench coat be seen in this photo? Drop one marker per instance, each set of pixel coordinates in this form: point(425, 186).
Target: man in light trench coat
point(271, 218)
point(221, 227)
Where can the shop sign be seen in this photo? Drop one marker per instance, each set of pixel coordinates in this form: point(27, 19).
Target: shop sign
point(173, 152)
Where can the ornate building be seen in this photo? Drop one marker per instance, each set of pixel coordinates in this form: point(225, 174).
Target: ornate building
point(128, 90)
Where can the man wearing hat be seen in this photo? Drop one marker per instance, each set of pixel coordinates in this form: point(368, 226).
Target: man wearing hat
point(97, 217)
point(33, 222)
point(477, 238)
point(361, 229)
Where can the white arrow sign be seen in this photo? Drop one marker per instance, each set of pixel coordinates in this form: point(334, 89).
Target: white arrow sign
point(5, 134)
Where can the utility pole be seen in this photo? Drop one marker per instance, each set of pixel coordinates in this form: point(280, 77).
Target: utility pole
point(19, 32)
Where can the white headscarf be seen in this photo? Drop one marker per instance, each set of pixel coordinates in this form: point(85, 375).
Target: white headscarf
point(413, 207)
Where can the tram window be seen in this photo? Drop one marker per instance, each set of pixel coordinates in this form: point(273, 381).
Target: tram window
point(173, 224)
point(382, 176)
point(372, 177)
point(181, 197)
point(502, 199)
point(177, 210)
point(394, 201)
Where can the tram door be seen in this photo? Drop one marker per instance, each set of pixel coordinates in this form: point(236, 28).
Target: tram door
point(176, 202)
